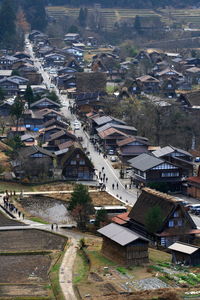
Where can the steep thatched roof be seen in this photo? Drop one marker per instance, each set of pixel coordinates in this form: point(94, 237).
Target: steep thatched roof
point(90, 82)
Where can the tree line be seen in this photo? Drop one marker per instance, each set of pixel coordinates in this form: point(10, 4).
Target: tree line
point(17, 17)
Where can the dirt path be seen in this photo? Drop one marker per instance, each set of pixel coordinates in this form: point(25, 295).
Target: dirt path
point(66, 271)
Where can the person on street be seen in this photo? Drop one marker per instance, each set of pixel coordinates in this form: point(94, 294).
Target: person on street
point(113, 186)
point(117, 185)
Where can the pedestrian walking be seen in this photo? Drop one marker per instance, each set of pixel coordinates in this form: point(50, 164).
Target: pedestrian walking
point(51, 226)
point(125, 186)
point(56, 226)
point(113, 186)
point(19, 214)
point(102, 169)
point(117, 185)
point(106, 179)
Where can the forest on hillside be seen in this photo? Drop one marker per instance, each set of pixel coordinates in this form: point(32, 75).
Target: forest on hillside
point(140, 4)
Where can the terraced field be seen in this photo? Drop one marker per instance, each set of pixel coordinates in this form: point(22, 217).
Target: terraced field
point(111, 15)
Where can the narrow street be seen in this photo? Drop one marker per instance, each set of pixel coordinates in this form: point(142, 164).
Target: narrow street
point(124, 195)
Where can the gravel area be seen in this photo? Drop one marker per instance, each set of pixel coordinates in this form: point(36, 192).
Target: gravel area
point(150, 284)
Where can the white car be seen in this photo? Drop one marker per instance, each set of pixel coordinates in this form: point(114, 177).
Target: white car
point(113, 158)
point(76, 127)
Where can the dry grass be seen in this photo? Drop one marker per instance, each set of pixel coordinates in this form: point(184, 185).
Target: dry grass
point(98, 198)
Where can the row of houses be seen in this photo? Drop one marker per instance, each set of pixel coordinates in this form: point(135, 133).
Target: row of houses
point(49, 148)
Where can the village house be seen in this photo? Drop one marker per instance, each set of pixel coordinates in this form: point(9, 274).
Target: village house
point(5, 109)
point(75, 164)
point(168, 88)
point(6, 62)
point(66, 81)
point(190, 100)
point(9, 86)
point(178, 157)
point(169, 73)
point(176, 225)
point(32, 162)
point(90, 82)
point(186, 254)
point(110, 137)
point(193, 75)
point(45, 133)
point(123, 245)
point(58, 138)
point(148, 169)
point(72, 38)
point(54, 59)
point(45, 103)
point(29, 139)
point(193, 186)
point(130, 130)
point(31, 73)
point(5, 73)
point(148, 84)
point(87, 102)
point(131, 147)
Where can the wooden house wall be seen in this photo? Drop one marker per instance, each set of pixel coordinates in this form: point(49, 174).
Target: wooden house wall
point(193, 190)
point(126, 255)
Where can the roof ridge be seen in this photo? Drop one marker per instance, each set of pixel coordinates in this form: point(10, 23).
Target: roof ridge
point(160, 194)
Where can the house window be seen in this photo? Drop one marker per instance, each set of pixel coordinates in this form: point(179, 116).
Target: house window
point(78, 156)
point(176, 214)
point(180, 223)
point(82, 162)
point(171, 223)
point(73, 162)
point(169, 174)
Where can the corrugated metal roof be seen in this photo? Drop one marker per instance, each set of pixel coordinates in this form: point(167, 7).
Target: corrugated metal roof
point(121, 235)
point(145, 162)
point(184, 248)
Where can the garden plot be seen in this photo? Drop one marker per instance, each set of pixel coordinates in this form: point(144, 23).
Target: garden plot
point(30, 240)
point(27, 273)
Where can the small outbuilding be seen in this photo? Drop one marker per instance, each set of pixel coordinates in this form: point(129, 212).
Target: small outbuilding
point(124, 245)
point(185, 253)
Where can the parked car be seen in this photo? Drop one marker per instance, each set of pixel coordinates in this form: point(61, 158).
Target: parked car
point(194, 208)
point(111, 152)
point(76, 127)
point(113, 158)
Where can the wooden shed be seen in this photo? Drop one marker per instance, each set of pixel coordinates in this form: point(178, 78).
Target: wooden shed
point(124, 245)
point(185, 253)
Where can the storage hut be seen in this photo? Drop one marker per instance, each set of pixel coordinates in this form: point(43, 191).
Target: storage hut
point(185, 253)
point(124, 245)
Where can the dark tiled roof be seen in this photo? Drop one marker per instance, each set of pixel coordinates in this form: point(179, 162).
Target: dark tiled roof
point(145, 162)
point(25, 152)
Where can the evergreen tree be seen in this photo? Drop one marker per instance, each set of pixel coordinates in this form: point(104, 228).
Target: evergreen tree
point(81, 205)
point(154, 219)
point(35, 13)
point(52, 96)
point(2, 95)
point(17, 110)
point(7, 25)
point(28, 95)
point(137, 24)
point(82, 18)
